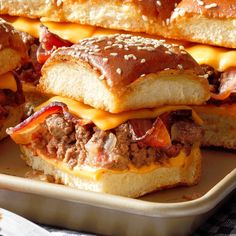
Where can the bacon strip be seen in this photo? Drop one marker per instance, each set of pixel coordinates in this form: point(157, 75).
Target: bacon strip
point(150, 134)
point(227, 85)
point(49, 42)
point(21, 133)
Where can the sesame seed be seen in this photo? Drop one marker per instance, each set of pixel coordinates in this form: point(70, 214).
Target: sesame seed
point(105, 59)
point(107, 47)
point(118, 71)
point(168, 52)
point(200, 2)
point(97, 50)
point(179, 66)
point(158, 3)
point(114, 54)
point(143, 60)
point(167, 68)
point(212, 5)
point(142, 75)
point(144, 18)
point(101, 77)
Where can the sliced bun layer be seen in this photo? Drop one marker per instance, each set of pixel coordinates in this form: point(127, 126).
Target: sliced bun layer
point(205, 21)
point(123, 72)
point(127, 184)
point(219, 125)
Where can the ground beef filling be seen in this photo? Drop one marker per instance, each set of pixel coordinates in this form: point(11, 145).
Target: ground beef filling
point(74, 144)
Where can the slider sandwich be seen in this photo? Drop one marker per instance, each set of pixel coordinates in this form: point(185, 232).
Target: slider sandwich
point(209, 22)
point(120, 123)
point(202, 21)
point(12, 55)
point(219, 114)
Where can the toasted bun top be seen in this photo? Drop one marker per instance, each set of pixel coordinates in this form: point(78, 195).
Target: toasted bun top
point(122, 72)
point(211, 9)
point(121, 59)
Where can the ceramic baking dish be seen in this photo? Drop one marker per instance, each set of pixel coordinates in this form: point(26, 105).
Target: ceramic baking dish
point(176, 211)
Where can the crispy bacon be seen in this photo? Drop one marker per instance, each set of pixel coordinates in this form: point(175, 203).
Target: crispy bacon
point(150, 134)
point(49, 42)
point(22, 132)
point(227, 85)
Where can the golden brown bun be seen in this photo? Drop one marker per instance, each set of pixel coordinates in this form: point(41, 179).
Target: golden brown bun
point(129, 184)
point(219, 125)
point(15, 115)
point(208, 21)
point(122, 72)
point(13, 48)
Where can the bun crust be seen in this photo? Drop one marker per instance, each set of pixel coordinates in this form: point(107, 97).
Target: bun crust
point(205, 21)
point(122, 72)
point(13, 48)
point(210, 22)
point(127, 184)
point(219, 125)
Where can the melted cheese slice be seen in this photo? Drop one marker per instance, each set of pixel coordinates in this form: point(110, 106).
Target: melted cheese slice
point(219, 58)
point(222, 110)
point(7, 81)
point(106, 120)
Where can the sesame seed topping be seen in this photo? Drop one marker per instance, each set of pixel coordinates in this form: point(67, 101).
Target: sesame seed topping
point(142, 75)
point(200, 2)
point(107, 47)
point(158, 3)
point(118, 71)
point(143, 60)
point(168, 52)
point(179, 66)
point(105, 59)
point(114, 54)
point(102, 77)
point(212, 5)
point(145, 18)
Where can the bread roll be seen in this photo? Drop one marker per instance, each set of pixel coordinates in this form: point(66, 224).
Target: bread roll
point(219, 125)
point(128, 184)
point(122, 72)
point(201, 21)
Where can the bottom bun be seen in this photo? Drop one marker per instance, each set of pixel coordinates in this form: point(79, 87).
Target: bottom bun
point(219, 124)
point(14, 117)
point(182, 170)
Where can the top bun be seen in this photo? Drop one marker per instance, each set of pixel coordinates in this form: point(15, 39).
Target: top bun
point(13, 47)
point(122, 72)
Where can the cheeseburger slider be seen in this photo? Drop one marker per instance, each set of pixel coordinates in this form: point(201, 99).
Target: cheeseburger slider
point(219, 114)
point(13, 54)
point(202, 21)
point(119, 123)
